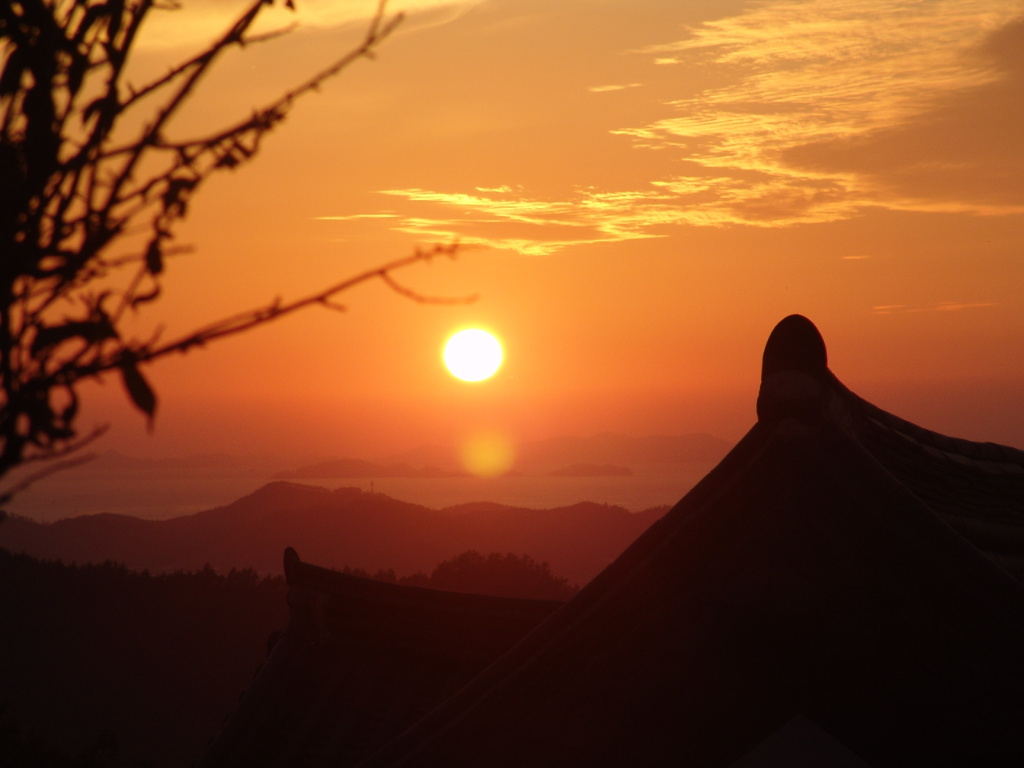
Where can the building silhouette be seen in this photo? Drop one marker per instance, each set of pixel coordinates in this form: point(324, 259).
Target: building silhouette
point(843, 589)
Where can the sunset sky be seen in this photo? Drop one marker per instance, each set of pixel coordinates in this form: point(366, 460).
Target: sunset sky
point(644, 187)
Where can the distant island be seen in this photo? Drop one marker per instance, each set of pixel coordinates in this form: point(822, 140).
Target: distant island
point(560, 454)
point(603, 455)
point(164, 487)
point(360, 469)
point(591, 470)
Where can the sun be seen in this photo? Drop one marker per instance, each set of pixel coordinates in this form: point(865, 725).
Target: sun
point(473, 354)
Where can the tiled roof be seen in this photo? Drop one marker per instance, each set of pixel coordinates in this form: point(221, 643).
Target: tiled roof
point(359, 662)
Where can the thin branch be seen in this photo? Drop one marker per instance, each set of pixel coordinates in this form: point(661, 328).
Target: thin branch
point(408, 293)
point(174, 72)
point(375, 36)
point(273, 34)
point(329, 304)
point(152, 131)
point(68, 374)
point(276, 310)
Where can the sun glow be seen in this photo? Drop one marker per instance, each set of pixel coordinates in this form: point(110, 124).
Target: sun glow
point(473, 354)
point(487, 454)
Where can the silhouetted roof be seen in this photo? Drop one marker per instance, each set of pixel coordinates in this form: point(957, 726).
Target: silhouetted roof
point(359, 661)
point(844, 583)
point(977, 488)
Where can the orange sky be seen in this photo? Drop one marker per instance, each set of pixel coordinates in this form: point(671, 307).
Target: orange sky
point(652, 184)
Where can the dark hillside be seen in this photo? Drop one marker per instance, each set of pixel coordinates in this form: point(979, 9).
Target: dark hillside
point(149, 665)
point(105, 667)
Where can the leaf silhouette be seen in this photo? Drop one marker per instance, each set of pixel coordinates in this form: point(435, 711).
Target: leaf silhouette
point(92, 331)
point(154, 257)
point(144, 298)
point(139, 391)
point(10, 79)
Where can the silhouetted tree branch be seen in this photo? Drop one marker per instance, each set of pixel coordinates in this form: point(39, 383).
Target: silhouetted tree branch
point(86, 162)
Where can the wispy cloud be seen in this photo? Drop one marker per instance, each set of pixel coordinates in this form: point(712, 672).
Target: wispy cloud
point(504, 217)
point(942, 306)
point(357, 216)
point(610, 88)
point(819, 110)
point(194, 22)
point(826, 74)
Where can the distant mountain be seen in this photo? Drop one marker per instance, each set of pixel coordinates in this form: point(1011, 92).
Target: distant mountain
point(353, 469)
point(358, 468)
point(545, 456)
point(336, 528)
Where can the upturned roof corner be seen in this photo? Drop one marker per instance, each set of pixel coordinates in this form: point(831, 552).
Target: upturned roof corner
point(794, 371)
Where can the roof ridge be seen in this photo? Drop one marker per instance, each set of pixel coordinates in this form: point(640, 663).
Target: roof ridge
point(336, 583)
point(993, 457)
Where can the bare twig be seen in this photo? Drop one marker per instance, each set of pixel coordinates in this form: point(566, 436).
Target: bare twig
point(275, 310)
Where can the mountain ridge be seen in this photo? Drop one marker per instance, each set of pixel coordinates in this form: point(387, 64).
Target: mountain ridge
point(344, 527)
